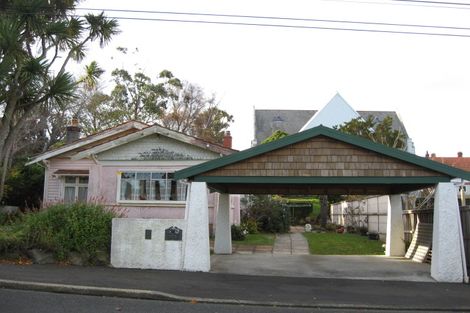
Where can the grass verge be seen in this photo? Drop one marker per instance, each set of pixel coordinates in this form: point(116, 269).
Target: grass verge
point(257, 240)
point(342, 244)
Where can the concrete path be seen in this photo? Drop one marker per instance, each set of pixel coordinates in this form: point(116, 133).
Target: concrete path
point(292, 243)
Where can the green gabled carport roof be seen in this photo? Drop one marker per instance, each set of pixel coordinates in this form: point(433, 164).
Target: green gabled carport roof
point(197, 172)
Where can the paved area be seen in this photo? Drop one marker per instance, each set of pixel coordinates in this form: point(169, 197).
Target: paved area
point(322, 266)
point(238, 289)
point(291, 243)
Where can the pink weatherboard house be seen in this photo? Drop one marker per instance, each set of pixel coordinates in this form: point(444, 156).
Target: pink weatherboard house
point(130, 167)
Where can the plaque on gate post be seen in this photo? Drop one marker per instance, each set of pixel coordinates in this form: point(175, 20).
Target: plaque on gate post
point(174, 233)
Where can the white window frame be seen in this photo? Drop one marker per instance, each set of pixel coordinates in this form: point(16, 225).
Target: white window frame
point(76, 185)
point(169, 203)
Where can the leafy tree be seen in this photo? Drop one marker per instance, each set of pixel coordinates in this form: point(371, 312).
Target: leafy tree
point(278, 134)
point(135, 97)
point(211, 124)
point(380, 132)
point(93, 108)
point(183, 109)
point(38, 39)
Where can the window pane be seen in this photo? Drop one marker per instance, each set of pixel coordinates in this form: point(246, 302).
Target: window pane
point(156, 195)
point(143, 176)
point(142, 189)
point(182, 191)
point(83, 180)
point(173, 194)
point(127, 186)
point(82, 194)
point(151, 186)
point(158, 175)
point(128, 175)
point(69, 194)
point(70, 179)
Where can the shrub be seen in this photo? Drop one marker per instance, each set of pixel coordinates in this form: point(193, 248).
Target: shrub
point(10, 218)
point(270, 214)
point(351, 229)
point(12, 238)
point(330, 227)
point(24, 185)
point(237, 233)
point(250, 226)
point(63, 228)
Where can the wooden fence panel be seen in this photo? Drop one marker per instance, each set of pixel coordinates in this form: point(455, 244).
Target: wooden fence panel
point(412, 217)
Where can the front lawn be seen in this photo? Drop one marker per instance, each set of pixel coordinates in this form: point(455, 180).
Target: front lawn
point(342, 244)
point(257, 240)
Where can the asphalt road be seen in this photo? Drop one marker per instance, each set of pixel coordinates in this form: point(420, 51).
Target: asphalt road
point(20, 301)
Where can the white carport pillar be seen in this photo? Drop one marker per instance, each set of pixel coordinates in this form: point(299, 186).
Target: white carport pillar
point(196, 255)
point(223, 234)
point(395, 244)
point(448, 258)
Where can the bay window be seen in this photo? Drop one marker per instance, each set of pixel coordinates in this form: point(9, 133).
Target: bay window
point(151, 186)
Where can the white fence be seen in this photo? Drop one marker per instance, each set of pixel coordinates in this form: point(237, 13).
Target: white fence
point(369, 212)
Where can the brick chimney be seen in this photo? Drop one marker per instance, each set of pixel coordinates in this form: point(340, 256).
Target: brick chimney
point(433, 155)
point(459, 154)
point(72, 131)
point(228, 140)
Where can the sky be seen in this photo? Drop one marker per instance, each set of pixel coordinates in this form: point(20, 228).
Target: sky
point(426, 79)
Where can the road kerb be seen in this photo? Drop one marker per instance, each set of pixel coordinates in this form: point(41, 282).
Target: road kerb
point(163, 296)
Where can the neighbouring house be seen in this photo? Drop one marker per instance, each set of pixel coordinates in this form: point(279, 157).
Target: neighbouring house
point(461, 162)
point(130, 167)
point(337, 111)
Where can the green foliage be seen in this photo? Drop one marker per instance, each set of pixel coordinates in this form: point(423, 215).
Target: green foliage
point(342, 244)
point(24, 185)
point(10, 218)
point(211, 124)
point(38, 39)
point(237, 233)
point(136, 97)
point(12, 238)
point(250, 225)
point(380, 132)
point(278, 134)
point(258, 240)
point(81, 227)
point(12, 235)
point(270, 213)
point(331, 227)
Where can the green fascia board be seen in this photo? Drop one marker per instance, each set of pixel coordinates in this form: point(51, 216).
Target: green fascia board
point(327, 132)
point(297, 180)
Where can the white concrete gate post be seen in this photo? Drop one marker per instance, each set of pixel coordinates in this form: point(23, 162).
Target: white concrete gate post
point(395, 243)
point(196, 244)
point(223, 234)
point(448, 257)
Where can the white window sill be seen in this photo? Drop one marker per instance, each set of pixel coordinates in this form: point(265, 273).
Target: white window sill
point(171, 204)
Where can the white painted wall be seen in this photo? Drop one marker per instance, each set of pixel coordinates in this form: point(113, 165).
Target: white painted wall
point(130, 249)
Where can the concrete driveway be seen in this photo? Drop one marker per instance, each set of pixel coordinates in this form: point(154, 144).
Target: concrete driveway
point(322, 266)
